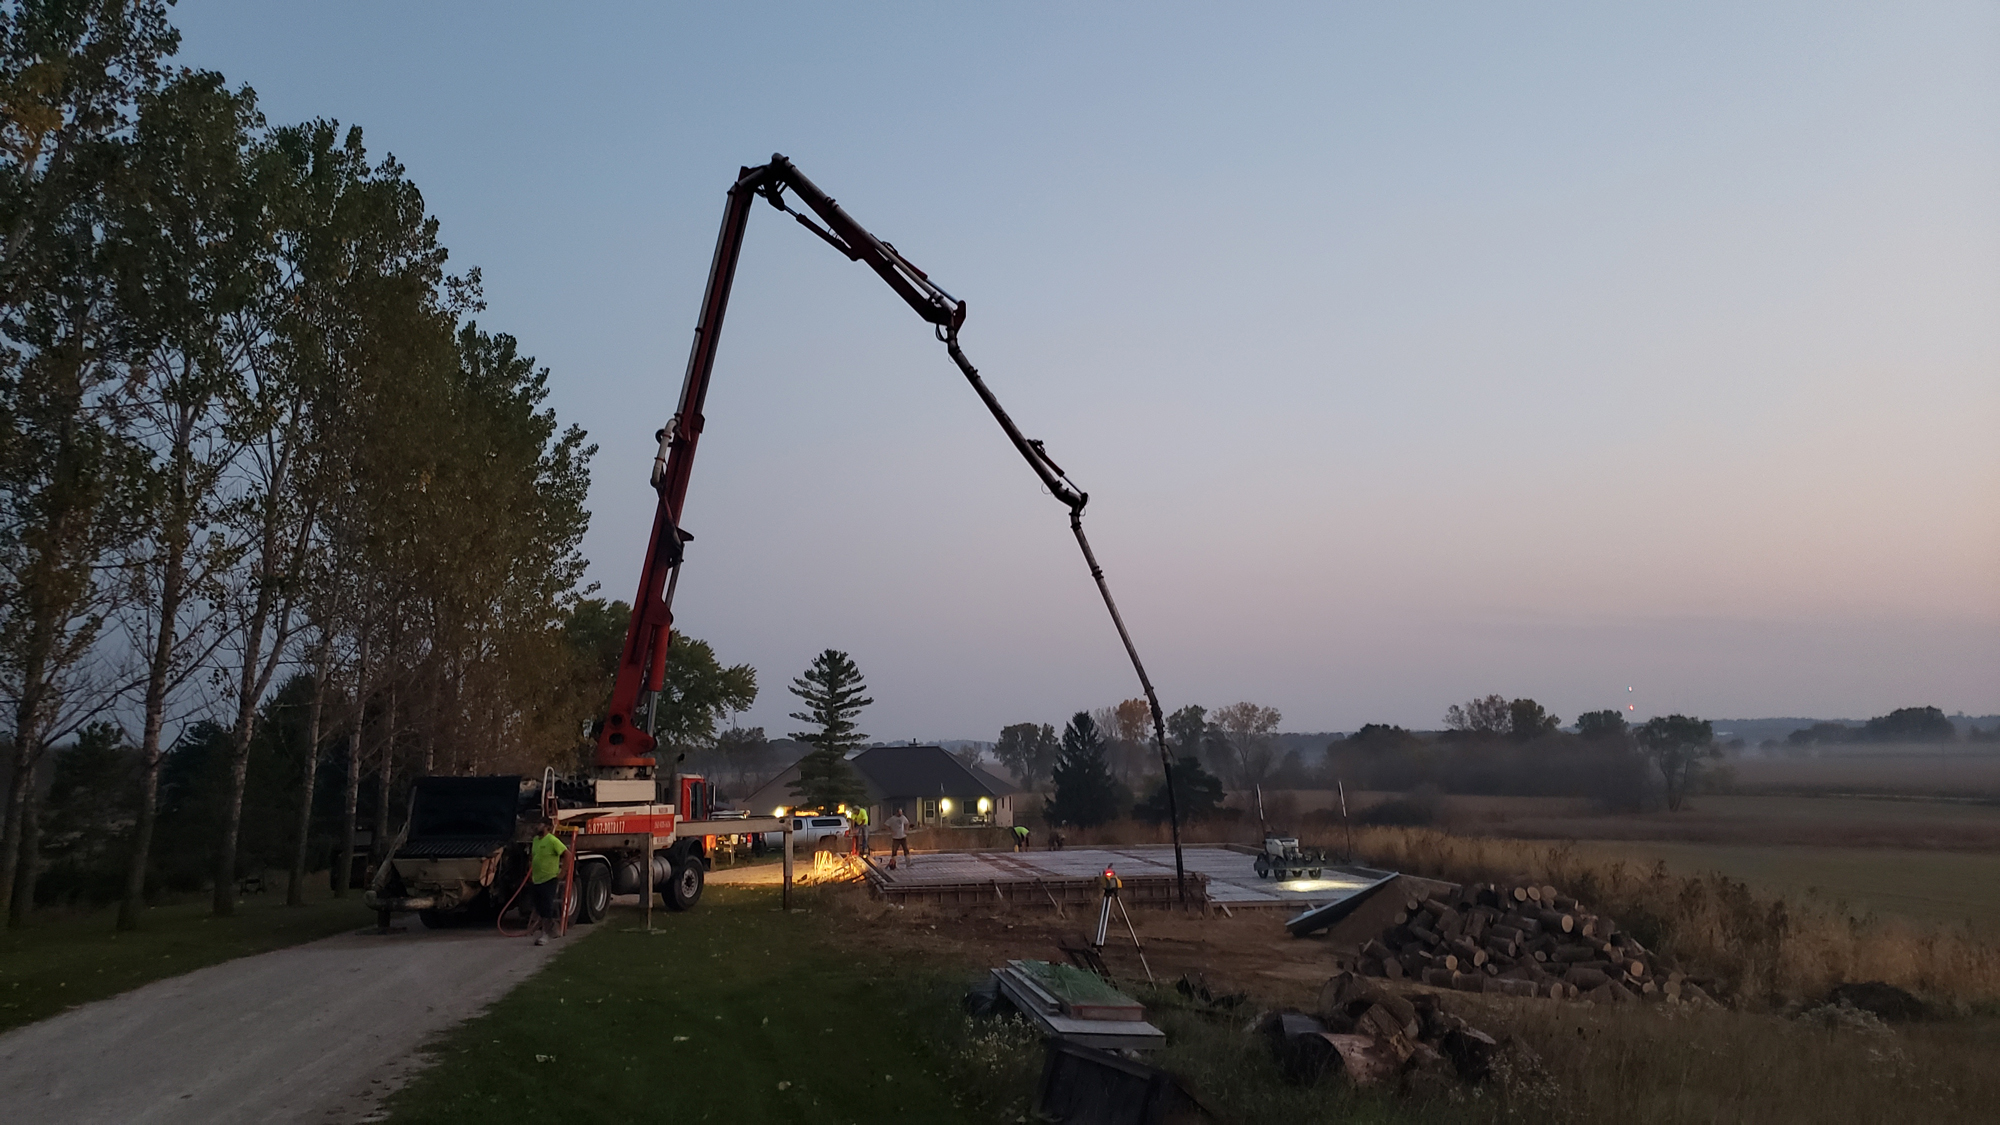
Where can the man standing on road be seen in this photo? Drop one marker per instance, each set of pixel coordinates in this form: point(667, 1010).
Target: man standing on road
point(545, 875)
point(860, 819)
point(899, 837)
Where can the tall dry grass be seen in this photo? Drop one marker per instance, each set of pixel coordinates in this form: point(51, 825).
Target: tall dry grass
point(1767, 951)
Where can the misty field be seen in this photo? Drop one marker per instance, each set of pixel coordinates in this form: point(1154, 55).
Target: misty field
point(1914, 822)
point(1893, 771)
point(1929, 886)
point(1883, 822)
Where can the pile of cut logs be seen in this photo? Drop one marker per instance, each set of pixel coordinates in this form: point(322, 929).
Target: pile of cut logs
point(1369, 1035)
point(1522, 940)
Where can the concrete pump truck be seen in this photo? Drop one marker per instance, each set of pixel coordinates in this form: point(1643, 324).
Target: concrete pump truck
point(463, 853)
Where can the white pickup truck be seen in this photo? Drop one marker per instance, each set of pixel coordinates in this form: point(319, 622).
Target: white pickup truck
point(811, 833)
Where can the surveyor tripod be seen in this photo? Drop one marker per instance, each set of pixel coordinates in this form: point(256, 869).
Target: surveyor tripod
point(1111, 883)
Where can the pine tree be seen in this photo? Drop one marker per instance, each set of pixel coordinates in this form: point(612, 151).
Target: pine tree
point(1085, 793)
point(1200, 794)
point(833, 692)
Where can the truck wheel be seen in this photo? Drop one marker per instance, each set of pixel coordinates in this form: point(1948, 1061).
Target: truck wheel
point(684, 886)
point(595, 900)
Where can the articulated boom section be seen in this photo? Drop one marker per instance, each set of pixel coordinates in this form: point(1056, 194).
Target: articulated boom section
point(625, 745)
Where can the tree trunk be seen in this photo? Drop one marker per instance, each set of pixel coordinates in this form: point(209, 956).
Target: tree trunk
point(151, 755)
point(31, 856)
point(28, 727)
point(251, 684)
point(295, 887)
point(378, 849)
point(239, 775)
point(351, 796)
point(17, 802)
point(159, 671)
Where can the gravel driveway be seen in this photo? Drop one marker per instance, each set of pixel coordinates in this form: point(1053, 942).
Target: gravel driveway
point(318, 1032)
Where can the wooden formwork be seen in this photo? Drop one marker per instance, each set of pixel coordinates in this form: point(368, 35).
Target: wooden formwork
point(1136, 890)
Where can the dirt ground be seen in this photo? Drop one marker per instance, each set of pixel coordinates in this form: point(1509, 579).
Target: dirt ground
point(1249, 952)
point(317, 1032)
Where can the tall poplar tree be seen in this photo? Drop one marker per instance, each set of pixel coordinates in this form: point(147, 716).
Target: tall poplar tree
point(70, 77)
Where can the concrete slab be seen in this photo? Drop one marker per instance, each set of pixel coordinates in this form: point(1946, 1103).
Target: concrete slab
point(1230, 875)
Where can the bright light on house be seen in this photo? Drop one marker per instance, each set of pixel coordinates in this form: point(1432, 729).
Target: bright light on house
point(985, 805)
point(779, 811)
point(944, 806)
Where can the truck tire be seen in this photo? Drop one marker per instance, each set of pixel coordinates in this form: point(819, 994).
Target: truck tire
point(683, 887)
point(594, 901)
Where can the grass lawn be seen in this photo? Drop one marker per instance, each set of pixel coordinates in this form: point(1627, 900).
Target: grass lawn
point(734, 1012)
point(63, 958)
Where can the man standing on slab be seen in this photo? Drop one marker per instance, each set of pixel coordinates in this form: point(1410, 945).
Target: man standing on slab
point(899, 837)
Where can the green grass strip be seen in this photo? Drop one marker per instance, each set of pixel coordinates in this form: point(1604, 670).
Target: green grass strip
point(733, 1012)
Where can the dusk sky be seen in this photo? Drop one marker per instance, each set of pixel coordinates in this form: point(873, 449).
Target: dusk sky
point(1408, 352)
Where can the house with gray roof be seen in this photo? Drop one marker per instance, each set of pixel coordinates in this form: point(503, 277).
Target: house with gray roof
point(933, 788)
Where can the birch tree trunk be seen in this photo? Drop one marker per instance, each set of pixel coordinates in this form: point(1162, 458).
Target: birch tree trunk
point(249, 689)
point(159, 667)
point(350, 797)
point(28, 726)
point(295, 887)
point(378, 850)
point(31, 855)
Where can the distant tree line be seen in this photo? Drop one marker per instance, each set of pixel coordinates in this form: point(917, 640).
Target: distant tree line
point(1905, 724)
point(1104, 764)
point(1514, 747)
point(267, 491)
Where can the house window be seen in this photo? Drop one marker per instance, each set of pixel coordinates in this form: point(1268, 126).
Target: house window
point(930, 810)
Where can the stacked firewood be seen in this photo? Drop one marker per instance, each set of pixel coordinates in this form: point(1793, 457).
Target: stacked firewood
point(1522, 940)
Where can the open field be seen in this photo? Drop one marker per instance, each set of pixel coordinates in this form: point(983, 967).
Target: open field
point(64, 957)
point(1737, 818)
point(1733, 819)
point(1929, 886)
point(1910, 774)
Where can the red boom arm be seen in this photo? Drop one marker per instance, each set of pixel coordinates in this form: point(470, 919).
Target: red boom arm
point(623, 743)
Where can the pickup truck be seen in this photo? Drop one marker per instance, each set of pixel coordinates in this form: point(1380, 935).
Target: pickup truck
point(813, 833)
